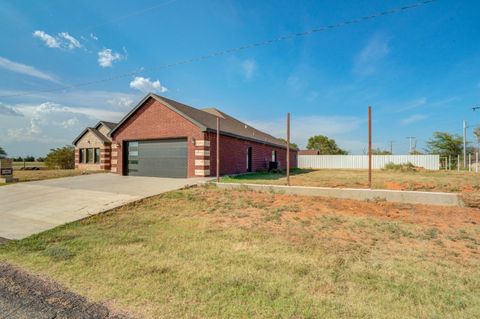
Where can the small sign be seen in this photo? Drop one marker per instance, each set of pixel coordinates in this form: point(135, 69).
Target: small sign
point(6, 171)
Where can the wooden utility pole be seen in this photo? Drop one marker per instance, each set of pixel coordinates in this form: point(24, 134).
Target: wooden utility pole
point(370, 147)
point(288, 149)
point(218, 149)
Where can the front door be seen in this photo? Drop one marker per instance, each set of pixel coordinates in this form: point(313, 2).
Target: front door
point(249, 159)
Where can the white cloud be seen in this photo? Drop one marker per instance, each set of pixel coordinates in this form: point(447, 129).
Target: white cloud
point(146, 85)
point(367, 60)
point(62, 41)
point(414, 104)
point(49, 40)
point(122, 102)
point(413, 118)
point(249, 67)
point(106, 57)
point(303, 127)
point(25, 69)
point(93, 36)
point(312, 96)
point(72, 42)
point(294, 83)
point(48, 123)
point(9, 110)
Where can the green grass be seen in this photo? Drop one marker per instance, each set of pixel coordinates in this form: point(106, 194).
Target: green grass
point(204, 252)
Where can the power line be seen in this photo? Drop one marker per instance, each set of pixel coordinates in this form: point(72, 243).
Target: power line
point(236, 49)
point(138, 12)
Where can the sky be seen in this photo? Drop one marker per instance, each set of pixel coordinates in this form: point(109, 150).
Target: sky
point(418, 69)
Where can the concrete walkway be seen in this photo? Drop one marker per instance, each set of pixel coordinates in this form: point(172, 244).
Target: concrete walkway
point(33, 207)
point(411, 197)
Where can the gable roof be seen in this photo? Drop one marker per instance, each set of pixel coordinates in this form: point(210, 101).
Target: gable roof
point(95, 132)
point(109, 125)
point(206, 120)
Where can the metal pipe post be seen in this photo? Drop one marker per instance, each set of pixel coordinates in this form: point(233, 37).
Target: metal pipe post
point(370, 147)
point(218, 149)
point(288, 149)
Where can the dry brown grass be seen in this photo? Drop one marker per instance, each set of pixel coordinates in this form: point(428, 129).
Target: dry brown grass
point(441, 181)
point(205, 252)
point(28, 176)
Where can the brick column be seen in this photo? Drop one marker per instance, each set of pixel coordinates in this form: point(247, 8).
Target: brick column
point(77, 157)
point(105, 158)
point(202, 158)
point(114, 158)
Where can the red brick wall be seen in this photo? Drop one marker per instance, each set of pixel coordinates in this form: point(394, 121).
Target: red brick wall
point(233, 155)
point(156, 121)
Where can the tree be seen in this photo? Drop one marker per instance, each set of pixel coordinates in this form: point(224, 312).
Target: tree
point(3, 154)
point(378, 151)
point(476, 132)
point(415, 152)
point(445, 144)
point(29, 158)
point(325, 145)
point(63, 157)
point(291, 144)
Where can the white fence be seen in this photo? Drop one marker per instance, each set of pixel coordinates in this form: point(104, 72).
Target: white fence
point(430, 162)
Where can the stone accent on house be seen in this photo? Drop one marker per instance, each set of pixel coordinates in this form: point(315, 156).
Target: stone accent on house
point(202, 153)
point(202, 143)
point(202, 172)
point(202, 162)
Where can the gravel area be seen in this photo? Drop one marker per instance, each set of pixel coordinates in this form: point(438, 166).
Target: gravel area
point(23, 295)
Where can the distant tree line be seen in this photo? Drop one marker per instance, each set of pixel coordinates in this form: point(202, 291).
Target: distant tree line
point(442, 143)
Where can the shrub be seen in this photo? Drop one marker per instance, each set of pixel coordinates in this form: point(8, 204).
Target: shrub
point(63, 158)
point(404, 167)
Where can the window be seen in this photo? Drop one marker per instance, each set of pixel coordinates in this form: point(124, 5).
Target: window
point(90, 155)
point(274, 156)
point(249, 159)
point(83, 158)
point(97, 155)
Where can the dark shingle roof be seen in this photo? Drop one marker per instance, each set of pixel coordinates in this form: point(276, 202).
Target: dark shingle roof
point(206, 119)
point(110, 125)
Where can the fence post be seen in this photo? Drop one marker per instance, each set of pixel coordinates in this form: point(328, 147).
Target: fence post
point(449, 162)
point(476, 162)
point(458, 163)
point(470, 162)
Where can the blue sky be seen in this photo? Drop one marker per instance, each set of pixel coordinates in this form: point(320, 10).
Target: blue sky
point(418, 69)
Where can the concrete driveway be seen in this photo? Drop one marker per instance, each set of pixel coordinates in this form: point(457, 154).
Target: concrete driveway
point(32, 207)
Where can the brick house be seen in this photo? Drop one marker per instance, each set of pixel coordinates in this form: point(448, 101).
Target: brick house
point(93, 146)
point(162, 137)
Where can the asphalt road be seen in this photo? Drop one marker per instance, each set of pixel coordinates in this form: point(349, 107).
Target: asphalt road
point(25, 296)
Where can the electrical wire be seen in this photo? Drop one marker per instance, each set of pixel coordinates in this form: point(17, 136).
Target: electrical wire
point(234, 50)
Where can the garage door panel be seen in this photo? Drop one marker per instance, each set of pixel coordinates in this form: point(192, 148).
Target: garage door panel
point(162, 158)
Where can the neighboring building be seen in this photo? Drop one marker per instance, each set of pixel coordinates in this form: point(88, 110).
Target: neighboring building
point(308, 152)
point(165, 138)
point(93, 147)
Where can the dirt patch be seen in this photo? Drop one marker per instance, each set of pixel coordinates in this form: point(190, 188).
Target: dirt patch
point(348, 222)
point(23, 295)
